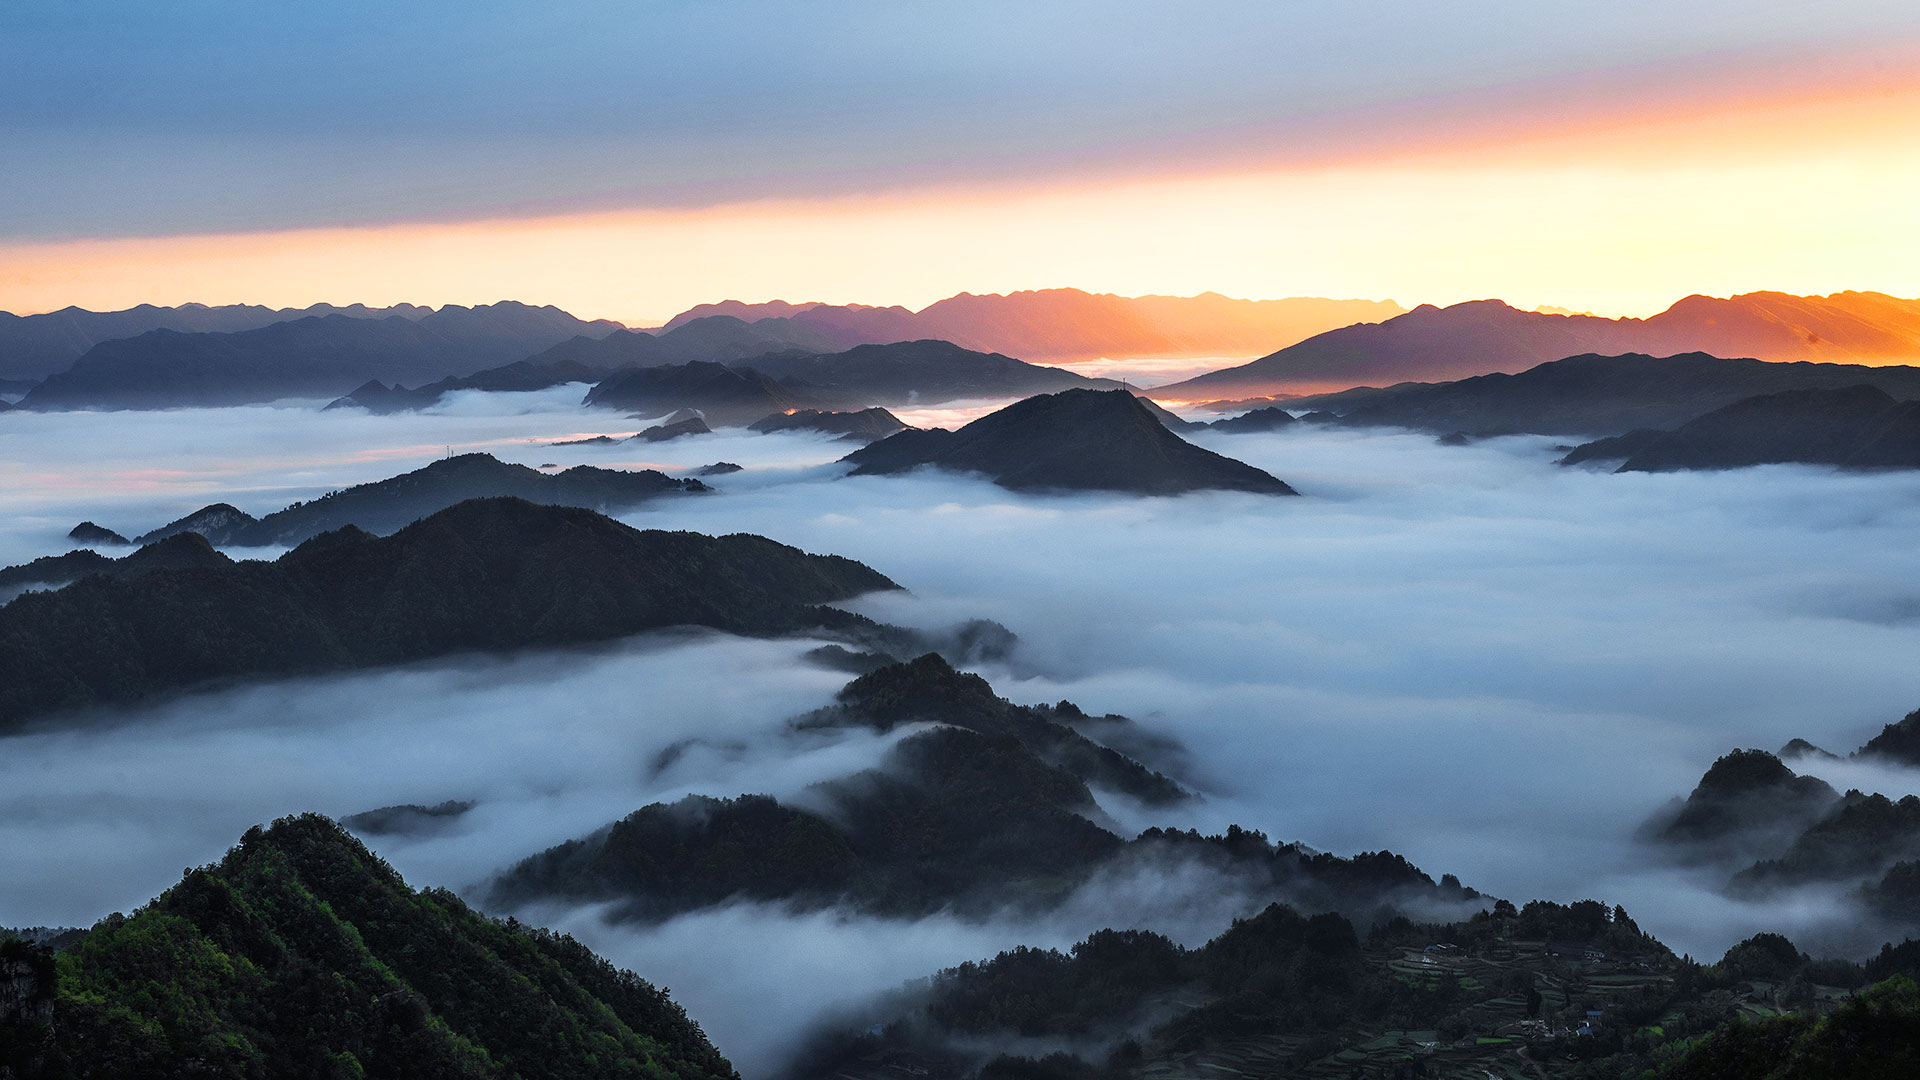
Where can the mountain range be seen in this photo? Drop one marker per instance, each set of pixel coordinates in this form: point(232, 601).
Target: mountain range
point(488, 574)
point(313, 356)
point(1852, 427)
point(35, 346)
point(1595, 395)
point(1480, 337)
point(1100, 440)
point(1068, 324)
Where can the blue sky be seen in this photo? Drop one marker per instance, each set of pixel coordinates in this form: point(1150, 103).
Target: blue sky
point(125, 119)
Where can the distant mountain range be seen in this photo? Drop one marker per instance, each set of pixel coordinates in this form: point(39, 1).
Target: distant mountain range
point(488, 574)
point(1594, 395)
point(1069, 324)
point(1431, 344)
point(733, 375)
point(1101, 440)
point(314, 356)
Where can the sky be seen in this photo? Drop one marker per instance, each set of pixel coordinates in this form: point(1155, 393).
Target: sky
point(628, 161)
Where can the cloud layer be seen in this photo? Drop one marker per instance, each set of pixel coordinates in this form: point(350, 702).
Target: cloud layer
point(1489, 664)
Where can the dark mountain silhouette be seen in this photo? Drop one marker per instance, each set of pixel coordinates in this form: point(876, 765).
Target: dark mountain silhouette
point(1862, 837)
point(1576, 991)
point(219, 523)
point(724, 396)
point(1485, 336)
point(487, 574)
point(719, 339)
point(409, 819)
point(1595, 395)
point(1069, 324)
point(990, 808)
point(316, 356)
point(1076, 439)
point(1897, 742)
point(1271, 418)
point(1749, 801)
point(35, 346)
point(521, 375)
point(1855, 427)
point(303, 954)
point(919, 373)
point(88, 533)
point(865, 425)
point(692, 425)
point(1793, 830)
point(384, 506)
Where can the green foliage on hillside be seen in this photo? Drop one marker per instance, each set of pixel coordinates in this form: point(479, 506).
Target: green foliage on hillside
point(1874, 1036)
point(302, 954)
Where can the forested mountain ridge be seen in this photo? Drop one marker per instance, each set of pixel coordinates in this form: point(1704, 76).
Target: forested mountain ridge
point(302, 954)
point(487, 574)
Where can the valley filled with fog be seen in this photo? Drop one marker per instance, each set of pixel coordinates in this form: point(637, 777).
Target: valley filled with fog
point(1492, 665)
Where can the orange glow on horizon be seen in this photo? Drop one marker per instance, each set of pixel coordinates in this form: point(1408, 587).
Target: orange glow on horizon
point(1610, 213)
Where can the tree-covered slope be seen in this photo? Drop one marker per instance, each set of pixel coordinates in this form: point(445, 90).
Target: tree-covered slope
point(487, 574)
point(302, 954)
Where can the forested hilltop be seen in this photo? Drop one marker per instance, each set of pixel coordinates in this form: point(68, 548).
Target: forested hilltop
point(302, 954)
point(1575, 991)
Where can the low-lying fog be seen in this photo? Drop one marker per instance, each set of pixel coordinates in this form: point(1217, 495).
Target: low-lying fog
point(1490, 664)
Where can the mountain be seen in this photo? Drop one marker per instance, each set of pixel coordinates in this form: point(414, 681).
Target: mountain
point(1271, 418)
point(1747, 801)
point(1857, 427)
point(488, 574)
point(989, 808)
point(865, 425)
point(1595, 395)
point(692, 425)
point(723, 396)
point(1101, 440)
point(711, 341)
point(88, 533)
point(1069, 324)
point(303, 954)
point(316, 356)
point(521, 375)
point(1485, 336)
point(720, 339)
point(1548, 991)
point(384, 506)
point(35, 346)
point(1898, 742)
point(1792, 830)
point(909, 373)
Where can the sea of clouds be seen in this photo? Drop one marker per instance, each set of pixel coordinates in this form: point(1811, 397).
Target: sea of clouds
point(1493, 665)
